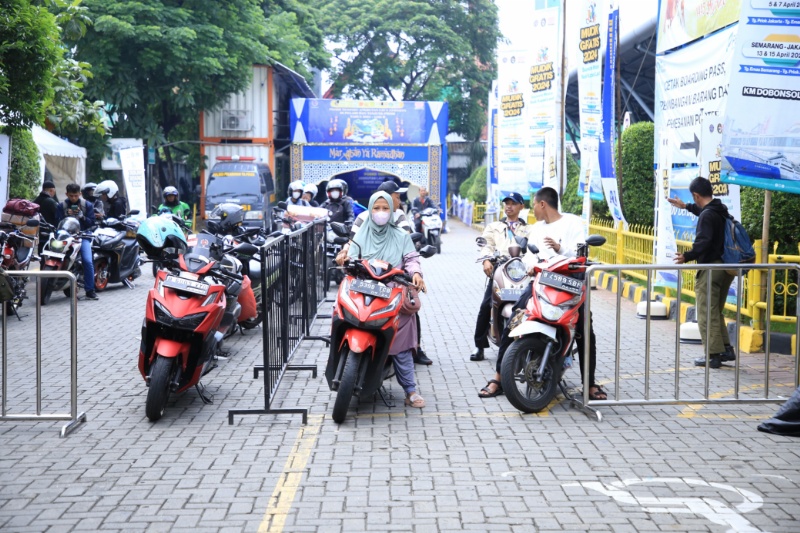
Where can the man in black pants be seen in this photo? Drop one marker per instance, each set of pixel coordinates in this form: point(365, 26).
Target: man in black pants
point(554, 234)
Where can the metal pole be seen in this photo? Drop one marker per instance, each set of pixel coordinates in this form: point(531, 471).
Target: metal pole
point(586, 344)
point(736, 350)
point(39, 359)
point(73, 307)
point(765, 241)
point(5, 354)
point(768, 333)
point(708, 323)
point(679, 288)
point(616, 348)
point(264, 325)
point(647, 338)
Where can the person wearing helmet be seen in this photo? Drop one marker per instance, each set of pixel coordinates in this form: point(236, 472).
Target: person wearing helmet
point(88, 194)
point(339, 209)
point(78, 208)
point(114, 205)
point(309, 193)
point(173, 204)
point(296, 194)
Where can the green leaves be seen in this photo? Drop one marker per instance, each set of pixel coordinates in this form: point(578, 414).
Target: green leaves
point(638, 187)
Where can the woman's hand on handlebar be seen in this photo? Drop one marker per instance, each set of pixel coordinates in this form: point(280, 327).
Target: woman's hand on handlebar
point(419, 283)
point(341, 257)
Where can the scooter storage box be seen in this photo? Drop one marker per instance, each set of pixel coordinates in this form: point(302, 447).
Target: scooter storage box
point(306, 214)
point(20, 221)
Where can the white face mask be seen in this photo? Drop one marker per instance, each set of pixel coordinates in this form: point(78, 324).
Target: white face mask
point(296, 194)
point(335, 195)
point(381, 217)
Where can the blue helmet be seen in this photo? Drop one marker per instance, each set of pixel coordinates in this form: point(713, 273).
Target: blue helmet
point(157, 233)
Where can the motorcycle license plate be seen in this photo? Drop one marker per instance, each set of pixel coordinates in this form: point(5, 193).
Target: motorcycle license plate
point(186, 285)
point(53, 254)
point(561, 282)
point(511, 295)
point(379, 290)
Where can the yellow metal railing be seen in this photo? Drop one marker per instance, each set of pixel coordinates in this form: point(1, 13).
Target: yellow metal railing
point(634, 246)
point(478, 211)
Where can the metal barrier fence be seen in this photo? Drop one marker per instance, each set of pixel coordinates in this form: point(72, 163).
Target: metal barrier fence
point(676, 399)
point(73, 417)
point(292, 291)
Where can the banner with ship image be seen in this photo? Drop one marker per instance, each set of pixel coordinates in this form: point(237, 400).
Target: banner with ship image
point(761, 141)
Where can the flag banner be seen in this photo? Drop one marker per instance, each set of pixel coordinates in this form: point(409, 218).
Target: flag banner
point(592, 32)
point(683, 21)
point(512, 73)
point(665, 246)
point(761, 139)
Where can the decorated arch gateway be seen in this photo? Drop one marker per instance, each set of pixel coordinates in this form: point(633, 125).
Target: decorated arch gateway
point(365, 141)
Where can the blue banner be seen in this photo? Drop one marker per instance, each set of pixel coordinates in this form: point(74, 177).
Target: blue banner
point(367, 122)
point(384, 154)
point(607, 169)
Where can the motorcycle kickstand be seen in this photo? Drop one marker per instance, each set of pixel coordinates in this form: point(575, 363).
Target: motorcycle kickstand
point(385, 397)
point(128, 283)
point(207, 399)
point(576, 402)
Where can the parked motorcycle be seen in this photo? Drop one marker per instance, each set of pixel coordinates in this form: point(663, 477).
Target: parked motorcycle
point(116, 253)
point(62, 252)
point(534, 364)
point(189, 310)
point(509, 279)
point(363, 325)
point(17, 250)
point(431, 225)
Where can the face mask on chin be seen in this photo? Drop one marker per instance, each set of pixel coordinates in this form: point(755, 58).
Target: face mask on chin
point(381, 218)
point(296, 195)
point(335, 195)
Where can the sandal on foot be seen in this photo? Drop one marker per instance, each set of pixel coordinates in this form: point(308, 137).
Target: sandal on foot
point(484, 392)
point(415, 400)
point(596, 392)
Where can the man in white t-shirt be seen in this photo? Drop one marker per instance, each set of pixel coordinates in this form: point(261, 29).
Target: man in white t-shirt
point(554, 233)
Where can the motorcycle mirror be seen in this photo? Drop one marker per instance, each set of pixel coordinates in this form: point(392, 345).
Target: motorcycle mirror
point(213, 226)
point(339, 229)
point(417, 236)
point(480, 241)
point(283, 205)
point(134, 212)
point(522, 241)
point(32, 223)
point(427, 251)
point(595, 240)
point(246, 249)
point(515, 250)
point(341, 240)
point(277, 233)
point(532, 248)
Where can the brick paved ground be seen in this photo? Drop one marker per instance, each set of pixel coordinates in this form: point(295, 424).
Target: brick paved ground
point(462, 463)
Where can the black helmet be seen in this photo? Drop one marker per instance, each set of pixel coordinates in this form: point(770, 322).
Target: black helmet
point(230, 215)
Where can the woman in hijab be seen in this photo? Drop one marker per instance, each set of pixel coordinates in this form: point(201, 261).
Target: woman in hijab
point(380, 238)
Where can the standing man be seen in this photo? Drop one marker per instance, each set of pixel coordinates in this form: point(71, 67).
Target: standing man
point(47, 203)
point(75, 206)
point(499, 236)
point(423, 201)
point(708, 246)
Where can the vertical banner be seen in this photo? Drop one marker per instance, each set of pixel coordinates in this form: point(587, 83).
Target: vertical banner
point(591, 31)
point(665, 246)
point(691, 96)
point(761, 143)
point(608, 171)
point(512, 73)
point(589, 152)
point(492, 153)
point(132, 162)
point(5, 155)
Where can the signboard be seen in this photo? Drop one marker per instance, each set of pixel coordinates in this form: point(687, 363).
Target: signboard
point(132, 162)
point(111, 160)
point(5, 154)
point(761, 142)
point(683, 21)
point(349, 153)
point(367, 122)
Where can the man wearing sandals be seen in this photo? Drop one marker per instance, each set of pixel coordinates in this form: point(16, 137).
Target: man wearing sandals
point(554, 233)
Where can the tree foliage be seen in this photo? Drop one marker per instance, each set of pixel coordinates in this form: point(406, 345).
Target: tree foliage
point(638, 187)
point(570, 201)
point(23, 165)
point(416, 50)
point(29, 53)
point(477, 193)
point(783, 227)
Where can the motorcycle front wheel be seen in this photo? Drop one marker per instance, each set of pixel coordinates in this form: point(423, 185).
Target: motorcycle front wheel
point(158, 392)
point(524, 389)
point(346, 387)
point(47, 285)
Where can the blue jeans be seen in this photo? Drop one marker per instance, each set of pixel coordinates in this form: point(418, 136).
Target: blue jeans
point(88, 265)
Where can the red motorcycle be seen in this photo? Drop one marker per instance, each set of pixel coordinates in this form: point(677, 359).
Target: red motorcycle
point(534, 364)
point(189, 310)
point(17, 249)
point(363, 325)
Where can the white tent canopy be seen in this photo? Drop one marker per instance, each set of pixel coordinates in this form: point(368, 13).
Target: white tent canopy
point(65, 161)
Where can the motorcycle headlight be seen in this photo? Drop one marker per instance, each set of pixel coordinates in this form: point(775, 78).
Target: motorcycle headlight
point(190, 322)
point(552, 312)
point(56, 245)
point(254, 215)
point(388, 309)
point(516, 270)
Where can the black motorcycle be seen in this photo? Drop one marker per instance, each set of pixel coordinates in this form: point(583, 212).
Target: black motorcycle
point(115, 253)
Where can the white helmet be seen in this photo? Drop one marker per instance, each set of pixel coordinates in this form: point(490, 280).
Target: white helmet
point(170, 191)
point(296, 186)
point(107, 187)
point(311, 188)
point(335, 184)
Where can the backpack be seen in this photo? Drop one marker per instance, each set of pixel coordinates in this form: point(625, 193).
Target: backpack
point(22, 207)
point(738, 248)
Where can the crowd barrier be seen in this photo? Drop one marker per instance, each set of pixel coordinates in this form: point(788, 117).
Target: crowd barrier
point(74, 418)
point(292, 267)
point(768, 270)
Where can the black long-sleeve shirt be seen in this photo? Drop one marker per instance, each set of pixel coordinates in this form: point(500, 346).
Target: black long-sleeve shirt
point(709, 241)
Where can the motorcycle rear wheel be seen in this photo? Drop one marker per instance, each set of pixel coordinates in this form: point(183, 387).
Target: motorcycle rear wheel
point(158, 392)
point(101, 275)
point(346, 387)
point(517, 372)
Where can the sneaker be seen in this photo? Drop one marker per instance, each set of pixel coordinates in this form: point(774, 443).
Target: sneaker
point(91, 295)
point(421, 358)
point(715, 361)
